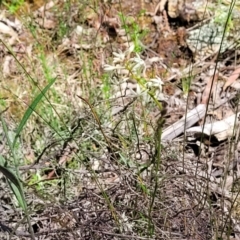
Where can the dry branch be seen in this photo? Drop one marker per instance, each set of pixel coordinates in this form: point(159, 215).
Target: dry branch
point(184, 123)
point(220, 129)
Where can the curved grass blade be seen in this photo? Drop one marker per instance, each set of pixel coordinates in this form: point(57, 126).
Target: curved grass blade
point(14, 184)
point(13, 178)
point(17, 190)
point(31, 109)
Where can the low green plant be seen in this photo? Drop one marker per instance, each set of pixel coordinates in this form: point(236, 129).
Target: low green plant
point(186, 84)
point(133, 31)
point(13, 6)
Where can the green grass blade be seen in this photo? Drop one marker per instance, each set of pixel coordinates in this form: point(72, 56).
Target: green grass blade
point(30, 109)
point(14, 184)
point(13, 178)
point(2, 161)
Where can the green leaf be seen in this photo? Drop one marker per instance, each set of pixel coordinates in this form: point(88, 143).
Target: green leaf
point(14, 184)
point(2, 161)
point(31, 109)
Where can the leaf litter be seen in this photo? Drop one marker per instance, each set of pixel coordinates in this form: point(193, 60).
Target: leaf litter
point(81, 184)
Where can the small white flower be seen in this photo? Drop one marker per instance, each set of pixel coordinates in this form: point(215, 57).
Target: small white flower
point(155, 86)
point(137, 92)
point(138, 63)
point(155, 83)
point(79, 30)
point(130, 49)
point(119, 57)
point(110, 68)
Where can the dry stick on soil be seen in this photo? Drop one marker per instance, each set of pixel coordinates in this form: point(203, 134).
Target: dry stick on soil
point(192, 117)
point(220, 129)
point(226, 125)
point(188, 120)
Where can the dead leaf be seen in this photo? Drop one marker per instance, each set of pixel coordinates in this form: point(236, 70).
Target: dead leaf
point(232, 78)
point(207, 91)
point(46, 23)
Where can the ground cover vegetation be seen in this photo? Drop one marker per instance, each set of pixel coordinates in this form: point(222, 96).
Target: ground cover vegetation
point(119, 119)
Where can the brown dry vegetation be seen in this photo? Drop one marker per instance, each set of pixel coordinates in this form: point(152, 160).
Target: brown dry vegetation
point(91, 157)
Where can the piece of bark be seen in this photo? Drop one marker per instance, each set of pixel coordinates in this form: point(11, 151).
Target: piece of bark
point(208, 89)
point(221, 130)
point(185, 122)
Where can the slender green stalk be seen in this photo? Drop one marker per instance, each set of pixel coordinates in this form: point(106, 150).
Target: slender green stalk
point(13, 179)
